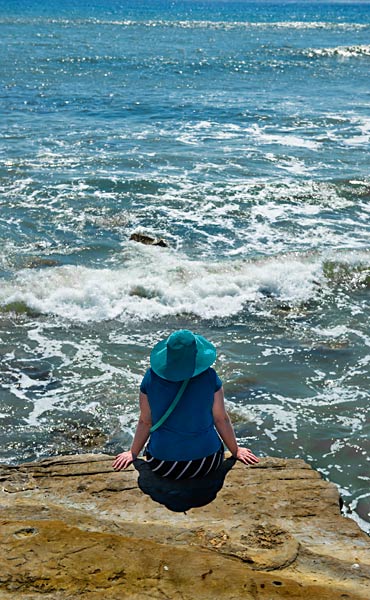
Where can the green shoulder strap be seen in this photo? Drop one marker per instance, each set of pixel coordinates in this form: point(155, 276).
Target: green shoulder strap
point(171, 408)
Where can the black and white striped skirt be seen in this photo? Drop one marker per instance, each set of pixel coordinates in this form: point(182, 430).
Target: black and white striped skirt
point(185, 469)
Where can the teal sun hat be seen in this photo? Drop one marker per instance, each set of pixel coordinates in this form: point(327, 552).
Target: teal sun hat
point(182, 355)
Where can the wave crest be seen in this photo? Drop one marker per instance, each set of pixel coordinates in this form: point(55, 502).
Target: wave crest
point(340, 51)
point(155, 283)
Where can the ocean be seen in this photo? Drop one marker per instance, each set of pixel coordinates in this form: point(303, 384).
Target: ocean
point(238, 133)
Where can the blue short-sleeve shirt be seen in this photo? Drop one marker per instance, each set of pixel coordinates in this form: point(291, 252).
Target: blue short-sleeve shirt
point(189, 431)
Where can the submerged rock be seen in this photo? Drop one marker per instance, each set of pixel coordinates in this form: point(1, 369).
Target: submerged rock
point(38, 370)
point(76, 436)
point(73, 528)
point(349, 275)
point(148, 240)
point(35, 262)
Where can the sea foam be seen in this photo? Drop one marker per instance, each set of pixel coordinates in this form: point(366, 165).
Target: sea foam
point(360, 50)
point(155, 283)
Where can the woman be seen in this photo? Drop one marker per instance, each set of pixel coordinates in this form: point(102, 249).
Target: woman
point(183, 397)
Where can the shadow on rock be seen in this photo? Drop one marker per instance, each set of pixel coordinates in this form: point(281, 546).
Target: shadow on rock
point(180, 496)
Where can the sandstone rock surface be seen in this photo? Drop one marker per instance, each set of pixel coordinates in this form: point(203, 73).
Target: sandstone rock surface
point(73, 528)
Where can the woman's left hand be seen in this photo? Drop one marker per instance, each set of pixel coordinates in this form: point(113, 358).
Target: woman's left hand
point(246, 456)
point(123, 460)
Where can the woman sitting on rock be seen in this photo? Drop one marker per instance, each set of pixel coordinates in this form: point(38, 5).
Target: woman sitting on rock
point(182, 412)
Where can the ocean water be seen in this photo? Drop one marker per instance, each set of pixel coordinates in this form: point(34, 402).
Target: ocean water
point(240, 134)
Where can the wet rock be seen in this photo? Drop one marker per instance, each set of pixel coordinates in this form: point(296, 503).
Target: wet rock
point(73, 528)
point(35, 369)
point(141, 292)
point(84, 436)
point(34, 261)
point(73, 436)
point(38, 262)
point(330, 349)
point(148, 240)
point(18, 307)
point(350, 276)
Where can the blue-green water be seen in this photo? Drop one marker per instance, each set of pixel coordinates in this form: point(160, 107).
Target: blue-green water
point(239, 133)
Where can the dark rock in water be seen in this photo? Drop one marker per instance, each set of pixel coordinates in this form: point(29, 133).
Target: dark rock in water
point(141, 292)
point(39, 371)
point(148, 240)
point(85, 437)
point(35, 262)
point(347, 275)
point(19, 308)
point(330, 349)
point(161, 243)
point(363, 508)
point(267, 292)
point(75, 433)
point(35, 369)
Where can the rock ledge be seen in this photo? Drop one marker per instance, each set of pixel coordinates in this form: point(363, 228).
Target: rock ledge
point(73, 528)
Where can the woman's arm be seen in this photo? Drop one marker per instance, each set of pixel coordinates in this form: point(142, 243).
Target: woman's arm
point(124, 460)
point(225, 429)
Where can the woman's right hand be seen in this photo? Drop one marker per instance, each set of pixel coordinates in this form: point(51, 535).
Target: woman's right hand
point(123, 460)
point(246, 456)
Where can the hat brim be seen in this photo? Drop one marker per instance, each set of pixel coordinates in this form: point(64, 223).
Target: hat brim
point(205, 357)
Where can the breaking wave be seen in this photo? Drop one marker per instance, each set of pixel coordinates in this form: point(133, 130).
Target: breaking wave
point(340, 51)
point(155, 283)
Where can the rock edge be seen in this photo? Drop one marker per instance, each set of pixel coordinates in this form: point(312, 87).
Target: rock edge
point(73, 528)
